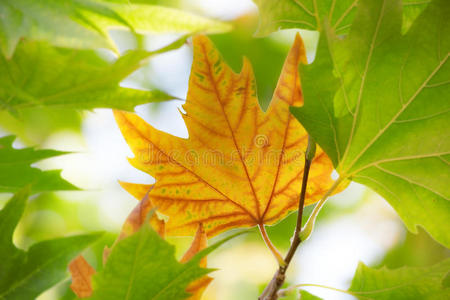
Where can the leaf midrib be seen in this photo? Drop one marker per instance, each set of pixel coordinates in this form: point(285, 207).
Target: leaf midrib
point(214, 84)
point(188, 267)
point(133, 268)
point(410, 181)
point(363, 81)
point(286, 131)
point(345, 172)
point(386, 127)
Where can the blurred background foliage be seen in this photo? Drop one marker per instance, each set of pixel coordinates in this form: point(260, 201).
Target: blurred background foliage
point(355, 225)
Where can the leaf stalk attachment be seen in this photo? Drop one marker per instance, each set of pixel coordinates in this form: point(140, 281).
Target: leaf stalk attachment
point(271, 246)
point(309, 226)
point(270, 292)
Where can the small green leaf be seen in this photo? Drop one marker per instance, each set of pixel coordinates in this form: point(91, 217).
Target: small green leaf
point(16, 170)
point(304, 295)
point(127, 276)
point(406, 283)
point(382, 118)
point(68, 78)
point(310, 14)
point(143, 266)
point(25, 275)
point(401, 284)
point(84, 24)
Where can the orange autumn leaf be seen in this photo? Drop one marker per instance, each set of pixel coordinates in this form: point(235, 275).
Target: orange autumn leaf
point(81, 272)
point(240, 166)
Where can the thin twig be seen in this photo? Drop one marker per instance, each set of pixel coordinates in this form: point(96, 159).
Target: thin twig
point(270, 292)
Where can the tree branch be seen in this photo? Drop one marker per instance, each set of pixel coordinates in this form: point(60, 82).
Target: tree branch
point(270, 292)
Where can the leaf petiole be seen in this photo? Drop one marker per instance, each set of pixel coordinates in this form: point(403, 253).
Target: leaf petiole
point(283, 292)
point(271, 246)
point(309, 226)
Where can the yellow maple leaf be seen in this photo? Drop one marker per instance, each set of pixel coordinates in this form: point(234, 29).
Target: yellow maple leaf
point(240, 166)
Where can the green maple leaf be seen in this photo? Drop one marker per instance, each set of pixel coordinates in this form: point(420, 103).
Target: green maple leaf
point(401, 284)
point(383, 117)
point(310, 14)
point(304, 295)
point(151, 272)
point(26, 274)
point(41, 75)
point(406, 283)
point(16, 170)
point(84, 24)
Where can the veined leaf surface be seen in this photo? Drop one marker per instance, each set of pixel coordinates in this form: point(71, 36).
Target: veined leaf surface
point(84, 24)
point(404, 283)
point(82, 272)
point(384, 120)
point(310, 14)
point(143, 266)
point(240, 166)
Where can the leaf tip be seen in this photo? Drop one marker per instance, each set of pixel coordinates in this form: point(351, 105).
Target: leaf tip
point(81, 272)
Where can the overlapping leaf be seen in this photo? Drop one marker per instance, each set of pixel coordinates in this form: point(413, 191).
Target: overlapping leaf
point(151, 272)
point(26, 274)
point(41, 75)
point(16, 170)
point(310, 14)
point(240, 166)
point(82, 272)
point(404, 283)
point(383, 121)
point(143, 266)
point(84, 24)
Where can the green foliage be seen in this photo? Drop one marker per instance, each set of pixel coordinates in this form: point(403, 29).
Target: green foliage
point(84, 24)
point(381, 117)
point(16, 170)
point(401, 284)
point(72, 78)
point(416, 250)
point(304, 295)
point(152, 261)
point(33, 125)
point(26, 274)
point(310, 14)
point(406, 283)
point(376, 101)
